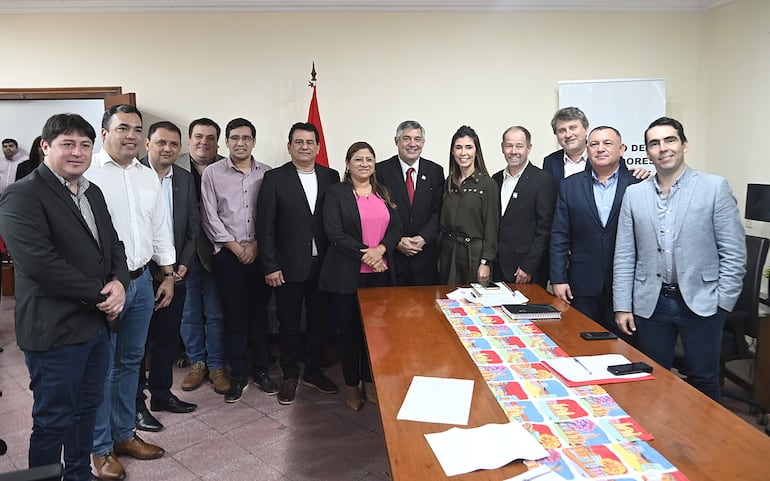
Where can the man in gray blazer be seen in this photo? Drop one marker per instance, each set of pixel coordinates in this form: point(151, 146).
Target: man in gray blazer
point(679, 259)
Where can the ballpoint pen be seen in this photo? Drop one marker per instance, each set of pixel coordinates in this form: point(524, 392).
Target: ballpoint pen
point(583, 366)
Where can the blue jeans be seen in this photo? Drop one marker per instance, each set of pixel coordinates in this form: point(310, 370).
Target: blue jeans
point(67, 384)
point(115, 416)
point(701, 339)
point(202, 327)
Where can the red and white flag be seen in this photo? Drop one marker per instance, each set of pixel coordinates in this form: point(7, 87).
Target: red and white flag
point(314, 117)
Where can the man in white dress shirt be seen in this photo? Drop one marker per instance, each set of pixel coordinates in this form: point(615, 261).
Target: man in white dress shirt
point(136, 204)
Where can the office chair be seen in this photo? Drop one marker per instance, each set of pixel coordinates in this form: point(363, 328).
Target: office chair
point(738, 364)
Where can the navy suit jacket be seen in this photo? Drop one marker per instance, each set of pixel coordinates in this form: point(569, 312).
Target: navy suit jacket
point(59, 266)
point(420, 218)
point(553, 163)
point(581, 248)
point(525, 228)
point(286, 226)
point(186, 215)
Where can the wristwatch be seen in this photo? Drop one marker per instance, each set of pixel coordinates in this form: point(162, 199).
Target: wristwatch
point(484, 262)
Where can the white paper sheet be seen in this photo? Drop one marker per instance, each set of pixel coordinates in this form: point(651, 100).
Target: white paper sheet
point(437, 400)
point(487, 447)
point(591, 368)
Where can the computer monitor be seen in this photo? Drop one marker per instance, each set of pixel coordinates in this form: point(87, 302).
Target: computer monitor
point(758, 202)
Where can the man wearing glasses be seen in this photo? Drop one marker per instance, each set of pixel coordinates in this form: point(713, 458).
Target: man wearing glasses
point(229, 189)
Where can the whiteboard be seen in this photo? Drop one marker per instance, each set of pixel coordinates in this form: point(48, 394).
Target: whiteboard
point(629, 105)
point(23, 120)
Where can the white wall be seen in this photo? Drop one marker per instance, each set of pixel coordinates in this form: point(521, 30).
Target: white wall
point(488, 70)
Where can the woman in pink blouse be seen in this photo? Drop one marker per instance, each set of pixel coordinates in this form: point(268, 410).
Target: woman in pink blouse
point(363, 230)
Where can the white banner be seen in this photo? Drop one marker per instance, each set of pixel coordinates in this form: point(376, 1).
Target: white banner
point(629, 105)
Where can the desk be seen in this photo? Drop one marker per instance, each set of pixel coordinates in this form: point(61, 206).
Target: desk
point(407, 335)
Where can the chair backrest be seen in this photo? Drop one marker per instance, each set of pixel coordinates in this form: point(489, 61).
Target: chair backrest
point(748, 302)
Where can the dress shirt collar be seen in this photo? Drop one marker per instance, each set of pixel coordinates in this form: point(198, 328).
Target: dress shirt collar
point(82, 182)
point(104, 158)
point(405, 167)
point(610, 178)
point(677, 183)
point(507, 175)
point(582, 160)
point(231, 166)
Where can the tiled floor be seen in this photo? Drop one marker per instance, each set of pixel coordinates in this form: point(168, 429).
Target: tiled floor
point(316, 438)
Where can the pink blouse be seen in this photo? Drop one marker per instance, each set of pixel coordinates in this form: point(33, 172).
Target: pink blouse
point(374, 222)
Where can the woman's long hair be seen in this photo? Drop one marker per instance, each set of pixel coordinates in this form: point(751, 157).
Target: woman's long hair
point(453, 179)
point(377, 188)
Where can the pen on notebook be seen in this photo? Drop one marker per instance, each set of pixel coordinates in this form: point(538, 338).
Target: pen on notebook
point(583, 366)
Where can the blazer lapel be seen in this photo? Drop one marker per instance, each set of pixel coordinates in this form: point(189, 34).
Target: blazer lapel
point(61, 191)
point(588, 191)
point(689, 186)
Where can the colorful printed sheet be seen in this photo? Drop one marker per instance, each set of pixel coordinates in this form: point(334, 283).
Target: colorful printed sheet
point(587, 434)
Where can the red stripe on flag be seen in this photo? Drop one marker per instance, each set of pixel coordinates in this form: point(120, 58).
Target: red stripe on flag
point(314, 117)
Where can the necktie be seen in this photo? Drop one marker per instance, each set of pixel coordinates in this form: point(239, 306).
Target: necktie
point(410, 185)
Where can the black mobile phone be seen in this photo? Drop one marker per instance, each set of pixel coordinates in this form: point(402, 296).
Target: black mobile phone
point(598, 336)
point(630, 368)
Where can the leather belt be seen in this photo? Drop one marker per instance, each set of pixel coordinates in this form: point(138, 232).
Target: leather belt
point(670, 290)
point(137, 273)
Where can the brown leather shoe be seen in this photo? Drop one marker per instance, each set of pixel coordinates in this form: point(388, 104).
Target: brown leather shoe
point(108, 467)
point(220, 379)
point(138, 449)
point(195, 377)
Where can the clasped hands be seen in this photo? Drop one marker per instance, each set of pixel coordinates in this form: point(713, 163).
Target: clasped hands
point(410, 246)
point(372, 257)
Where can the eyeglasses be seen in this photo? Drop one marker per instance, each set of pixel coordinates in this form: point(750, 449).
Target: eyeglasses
point(237, 138)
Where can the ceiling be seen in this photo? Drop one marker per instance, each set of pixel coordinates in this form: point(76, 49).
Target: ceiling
point(180, 6)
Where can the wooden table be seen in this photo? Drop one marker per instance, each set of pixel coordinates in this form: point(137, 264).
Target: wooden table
point(407, 335)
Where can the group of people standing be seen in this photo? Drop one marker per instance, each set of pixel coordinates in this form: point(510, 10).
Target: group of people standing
point(113, 254)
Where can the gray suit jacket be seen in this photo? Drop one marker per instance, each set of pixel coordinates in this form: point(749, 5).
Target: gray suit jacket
point(710, 247)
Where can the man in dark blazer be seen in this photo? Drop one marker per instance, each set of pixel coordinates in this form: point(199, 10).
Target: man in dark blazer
point(527, 201)
point(570, 126)
point(163, 144)
point(416, 256)
point(584, 226)
point(71, 277)
point(292, 243)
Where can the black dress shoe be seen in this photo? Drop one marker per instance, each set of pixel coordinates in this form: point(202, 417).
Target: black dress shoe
point(237, 386)
point(146, 422)
point(172, 405)
point(266, 383)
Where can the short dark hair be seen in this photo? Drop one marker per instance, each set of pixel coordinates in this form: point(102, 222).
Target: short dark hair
point(60, 124)
point(120, 108)
point(204, 121)
point(307, 127)
point(164, 124)
point(669, 122)
point(9, 141)
point(569, 113)
point(519, 128)
point(238, 123)
point(606, 127)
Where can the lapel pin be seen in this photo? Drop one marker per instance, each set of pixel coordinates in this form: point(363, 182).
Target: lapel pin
point(515, 195)
point(422, 177)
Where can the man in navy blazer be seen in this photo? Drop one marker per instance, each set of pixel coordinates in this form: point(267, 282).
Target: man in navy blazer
point(679, 260)
point(292, 243)
point(163, 144)
point(584, 228)
point(71, 277)
point(416, 256)
point(570, 126)
point(527, 201)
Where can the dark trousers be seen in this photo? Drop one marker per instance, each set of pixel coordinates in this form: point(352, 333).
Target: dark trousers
point(288, 300)
point(701, 340)
point(162, 347)
point(411, 271)
point(244, 297)
point(599, 309)
point(67, 384)
point(354, 357)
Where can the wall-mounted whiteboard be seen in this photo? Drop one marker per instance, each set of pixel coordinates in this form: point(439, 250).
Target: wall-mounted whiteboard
point(629, 105)
point(23, 120)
